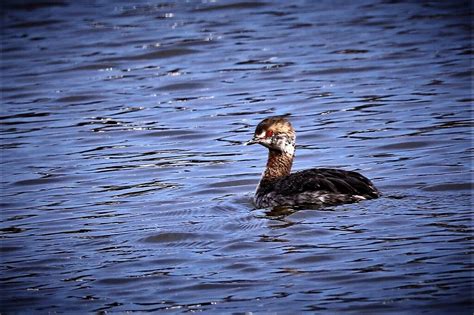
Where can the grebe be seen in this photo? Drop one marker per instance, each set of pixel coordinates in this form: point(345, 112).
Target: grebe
point(317, 186)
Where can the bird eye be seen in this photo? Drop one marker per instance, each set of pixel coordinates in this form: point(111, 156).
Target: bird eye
point(269, 133)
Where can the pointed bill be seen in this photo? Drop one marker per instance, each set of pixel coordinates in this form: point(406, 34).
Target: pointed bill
point(253, 141)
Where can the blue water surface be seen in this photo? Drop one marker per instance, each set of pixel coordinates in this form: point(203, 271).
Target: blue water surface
point(125, 186)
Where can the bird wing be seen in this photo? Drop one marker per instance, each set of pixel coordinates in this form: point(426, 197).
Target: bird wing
point(327, 180)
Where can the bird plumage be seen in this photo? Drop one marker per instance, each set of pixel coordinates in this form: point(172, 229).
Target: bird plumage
point(317, 186)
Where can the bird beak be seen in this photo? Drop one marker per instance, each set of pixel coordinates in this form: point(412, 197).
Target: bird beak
point(253, 141)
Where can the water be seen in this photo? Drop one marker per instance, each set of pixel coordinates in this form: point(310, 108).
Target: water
point(125, 186)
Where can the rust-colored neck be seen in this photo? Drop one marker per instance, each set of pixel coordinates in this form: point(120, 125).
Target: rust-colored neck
point(278, 165)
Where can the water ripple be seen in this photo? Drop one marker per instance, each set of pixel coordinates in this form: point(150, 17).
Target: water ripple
point(125, 186)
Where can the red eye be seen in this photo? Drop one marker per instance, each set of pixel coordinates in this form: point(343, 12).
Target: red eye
point(268, 134)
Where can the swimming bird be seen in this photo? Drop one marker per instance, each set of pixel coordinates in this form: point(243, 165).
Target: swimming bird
point(316, 186)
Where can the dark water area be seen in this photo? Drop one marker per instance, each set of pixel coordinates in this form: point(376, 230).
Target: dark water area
point(125, 186)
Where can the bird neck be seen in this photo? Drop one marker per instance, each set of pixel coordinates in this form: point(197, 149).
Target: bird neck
point(278, 165)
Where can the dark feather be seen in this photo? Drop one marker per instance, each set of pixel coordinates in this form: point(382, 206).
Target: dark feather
point(323, 180)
